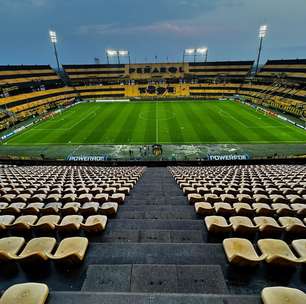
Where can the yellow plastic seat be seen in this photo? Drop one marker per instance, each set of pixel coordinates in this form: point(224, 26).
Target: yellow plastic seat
point(204, 209)
point(241, 252)
point(267, 224)
point(282, 295)
point(117, 198)
point(71, 250)
point(6, 220)
point(70, 208)
point(243, 209)
point(70, 223)
point(26, 293)
point(89, 208)
point(33, 208)
point(217, 224)
point(10, 246)
point(263, 209)
point(194, 197)
point(95, 223)
point(242, 224)
point(293, 225)
point(211, 198)
point(36, 250)
point(300, 247)
point(283, 209)
point(109, 208)
point(224, 208)
point(300, 209)
point(278, 252)
point(23, 223)
point(47, 223)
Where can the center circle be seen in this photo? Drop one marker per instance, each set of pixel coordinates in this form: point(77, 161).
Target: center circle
point(151, 115)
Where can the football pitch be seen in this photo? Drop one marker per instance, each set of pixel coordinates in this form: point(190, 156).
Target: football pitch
point(187, 122)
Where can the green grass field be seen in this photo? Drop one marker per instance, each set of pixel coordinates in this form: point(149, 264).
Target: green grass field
point(187, 122)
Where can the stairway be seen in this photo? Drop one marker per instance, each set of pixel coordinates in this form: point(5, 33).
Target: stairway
point(155, 251)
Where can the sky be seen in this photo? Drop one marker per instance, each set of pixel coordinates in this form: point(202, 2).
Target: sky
point(149, 29)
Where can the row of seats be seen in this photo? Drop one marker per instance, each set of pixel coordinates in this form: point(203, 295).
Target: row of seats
point(71, 250)
point(107, 208)
point(37, 293)
point(278, 209)
point(241, 252)
point(264, 224)
point(49, 223)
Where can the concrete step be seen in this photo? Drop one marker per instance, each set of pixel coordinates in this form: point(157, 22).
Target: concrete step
point(147, 298)
point(171, 213)
point(149, 236)
point(155, 224)
point(204, 279)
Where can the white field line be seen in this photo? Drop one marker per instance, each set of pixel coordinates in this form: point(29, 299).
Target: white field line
point(67, 129)
point(225, 114)
point(164, 143)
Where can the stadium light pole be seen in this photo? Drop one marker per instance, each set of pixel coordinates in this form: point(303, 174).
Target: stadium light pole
point(125, 53)
point(189, 52)
point(203, 52)
point(53, 39)
point(262, 34)
point(118, 54)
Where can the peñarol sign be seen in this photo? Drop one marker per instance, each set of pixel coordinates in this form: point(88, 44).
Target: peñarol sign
point(163, 70)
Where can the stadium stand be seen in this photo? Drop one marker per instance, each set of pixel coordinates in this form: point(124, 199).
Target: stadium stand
point(156, 246)
point(30, 90)
point(27, 91)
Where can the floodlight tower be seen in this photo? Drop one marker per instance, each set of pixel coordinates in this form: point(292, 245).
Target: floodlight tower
point(263, 30)
point(189, 52)
point(53, 39)
point(124, 53)
point(203, 51)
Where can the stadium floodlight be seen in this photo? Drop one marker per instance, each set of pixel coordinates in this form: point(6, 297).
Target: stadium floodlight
point(53, 39)
point(118, 54)
point(203, 51)
point(189, 52)
point(263, 30)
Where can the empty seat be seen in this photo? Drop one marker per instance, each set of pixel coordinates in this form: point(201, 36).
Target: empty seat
point(241, 252)
point(95, 223)
point(23, 223)
point(243, 209)
point(267, 224)
point(224, 208)
point(277, 252)
point(10, 246)
point(217, 224)
point(242, 224)
point(262, 209)
point(300, 248)
point(70, 223)
point(293, 225)
point(36, 250)
point(26, 293)
point(109, 208)
point(283, 209)
point(194, 197)
point(6, 220)
point(47, 223)
point(282, 295)
point(71, 250)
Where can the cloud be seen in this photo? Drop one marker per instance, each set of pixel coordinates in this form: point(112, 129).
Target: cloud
point(174, 27)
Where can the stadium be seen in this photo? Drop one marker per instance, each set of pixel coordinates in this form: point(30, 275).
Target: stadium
point(172, 181)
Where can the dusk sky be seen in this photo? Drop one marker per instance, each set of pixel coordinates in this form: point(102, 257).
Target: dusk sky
point(149, 28)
